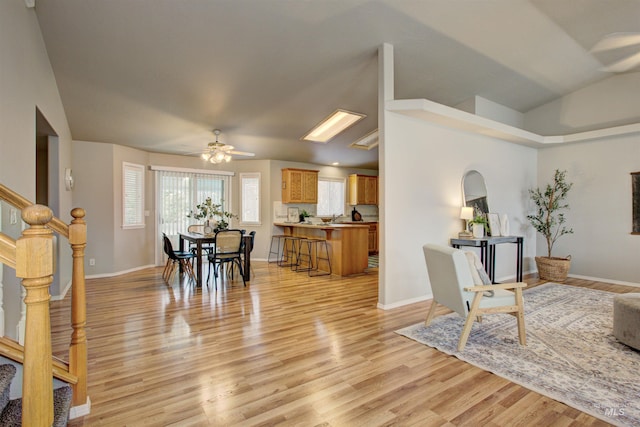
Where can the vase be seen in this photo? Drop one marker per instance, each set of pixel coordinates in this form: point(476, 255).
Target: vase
point(504, 225)
point(478, 231)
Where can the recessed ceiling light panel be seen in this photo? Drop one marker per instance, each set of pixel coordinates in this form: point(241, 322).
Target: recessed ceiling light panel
point(367, 142)
point(333, 125)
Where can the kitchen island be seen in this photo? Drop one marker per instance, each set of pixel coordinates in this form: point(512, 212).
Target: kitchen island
point(348, 243)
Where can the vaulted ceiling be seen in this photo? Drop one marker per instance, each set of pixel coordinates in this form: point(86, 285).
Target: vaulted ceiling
point(160, 75)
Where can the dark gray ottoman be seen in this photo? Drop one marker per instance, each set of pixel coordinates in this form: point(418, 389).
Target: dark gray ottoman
point(626, 319)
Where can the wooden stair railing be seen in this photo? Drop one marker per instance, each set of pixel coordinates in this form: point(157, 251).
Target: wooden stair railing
point(31, 256)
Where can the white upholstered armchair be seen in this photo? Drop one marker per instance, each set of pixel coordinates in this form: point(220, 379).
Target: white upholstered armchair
point(456, 285)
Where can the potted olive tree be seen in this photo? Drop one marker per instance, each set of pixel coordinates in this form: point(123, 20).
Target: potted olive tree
point(549, 220)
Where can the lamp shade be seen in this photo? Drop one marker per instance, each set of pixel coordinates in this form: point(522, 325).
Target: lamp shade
point(466, 212)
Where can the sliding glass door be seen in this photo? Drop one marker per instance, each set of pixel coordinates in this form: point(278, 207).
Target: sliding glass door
point(178, 193)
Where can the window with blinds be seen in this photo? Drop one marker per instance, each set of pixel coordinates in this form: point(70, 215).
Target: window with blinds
point(132, 195)
point(180, 191)
point(250, 194)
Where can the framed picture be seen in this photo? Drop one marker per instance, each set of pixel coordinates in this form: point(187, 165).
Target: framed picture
point(494, 224)
point(293, 215)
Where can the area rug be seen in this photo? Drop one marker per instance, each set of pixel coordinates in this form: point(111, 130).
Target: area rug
point(571, 353)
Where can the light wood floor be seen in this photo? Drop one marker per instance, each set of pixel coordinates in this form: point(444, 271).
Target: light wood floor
point(285, 350)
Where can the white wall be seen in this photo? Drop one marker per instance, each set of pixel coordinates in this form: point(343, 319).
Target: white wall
point(607, 103)
point(26, 83)
point(94, 192)
point(424, 166)
point(600, 207)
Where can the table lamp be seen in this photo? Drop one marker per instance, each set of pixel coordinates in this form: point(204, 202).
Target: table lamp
point(466, 213)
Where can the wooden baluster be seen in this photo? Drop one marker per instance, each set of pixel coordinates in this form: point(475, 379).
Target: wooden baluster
point(78, 347)
point(34, 264)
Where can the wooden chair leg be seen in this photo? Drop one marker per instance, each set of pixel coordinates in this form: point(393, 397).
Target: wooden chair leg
point(167, 266)
point(188, 269)
point(171, 272)
point(522, 335)
point(432, 312)
point(471, 316)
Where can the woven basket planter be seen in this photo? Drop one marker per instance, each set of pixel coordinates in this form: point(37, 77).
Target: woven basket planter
point(552, 268)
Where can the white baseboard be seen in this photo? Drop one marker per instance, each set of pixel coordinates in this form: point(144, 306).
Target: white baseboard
point(80, 410)
point(600, 279)
point(405, 302)
point(118, 273)
point(63, 294)
point(97, 276)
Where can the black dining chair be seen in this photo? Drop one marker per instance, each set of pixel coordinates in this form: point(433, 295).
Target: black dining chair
point(228, 250)
point(175, 258)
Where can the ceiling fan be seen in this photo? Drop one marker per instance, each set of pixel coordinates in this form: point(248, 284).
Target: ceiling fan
point(217, 152)
point(617, 41)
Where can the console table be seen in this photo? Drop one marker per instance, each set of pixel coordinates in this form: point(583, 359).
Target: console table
point(487, 247)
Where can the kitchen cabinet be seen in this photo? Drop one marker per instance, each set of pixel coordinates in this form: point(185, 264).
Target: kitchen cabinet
point(373, 238)
point(299, 186)
point(363, 190)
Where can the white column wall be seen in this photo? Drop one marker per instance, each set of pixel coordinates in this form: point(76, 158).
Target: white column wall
point(424, 165)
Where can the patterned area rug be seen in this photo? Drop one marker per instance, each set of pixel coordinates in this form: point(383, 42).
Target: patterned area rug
point(571, 353)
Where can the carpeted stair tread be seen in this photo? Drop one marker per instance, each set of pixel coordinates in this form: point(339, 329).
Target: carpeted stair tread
point(12, 414)
point(7, 372)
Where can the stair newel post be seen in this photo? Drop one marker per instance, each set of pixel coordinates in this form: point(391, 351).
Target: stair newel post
point(78, 348)
point(34, 265)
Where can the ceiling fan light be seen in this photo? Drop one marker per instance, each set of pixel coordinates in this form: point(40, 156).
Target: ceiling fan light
point(219, 156)
point(227, 158)
point(205, 156)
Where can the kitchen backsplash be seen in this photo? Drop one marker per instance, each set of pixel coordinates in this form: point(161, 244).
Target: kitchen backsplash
point(368, 212)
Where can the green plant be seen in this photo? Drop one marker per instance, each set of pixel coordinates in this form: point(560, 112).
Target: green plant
point(548, 219)
point(209, 210)
point(479, 219)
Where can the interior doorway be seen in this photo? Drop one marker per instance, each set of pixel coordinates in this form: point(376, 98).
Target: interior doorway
point(47, 165)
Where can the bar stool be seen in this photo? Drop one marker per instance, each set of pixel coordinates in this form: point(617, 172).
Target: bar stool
point(304, 257)
point(316, 245)
point(277, 238)
point(290, 251)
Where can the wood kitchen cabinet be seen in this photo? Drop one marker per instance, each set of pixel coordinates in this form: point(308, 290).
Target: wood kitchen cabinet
point(373, 238)
point(363, 190)
point(299, 186)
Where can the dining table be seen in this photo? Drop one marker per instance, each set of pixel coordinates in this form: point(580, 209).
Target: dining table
point(199, 239)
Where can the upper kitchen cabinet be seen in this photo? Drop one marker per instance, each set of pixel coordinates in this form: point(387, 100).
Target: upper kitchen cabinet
point(363, 190)
point(299, 186)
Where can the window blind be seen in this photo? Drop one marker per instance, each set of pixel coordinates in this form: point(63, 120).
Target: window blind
point(132, 195)
point(179, 193)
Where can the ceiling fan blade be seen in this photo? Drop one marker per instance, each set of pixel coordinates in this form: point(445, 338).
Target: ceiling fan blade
point(242, 153)
point(624, 65)
point(616, 40)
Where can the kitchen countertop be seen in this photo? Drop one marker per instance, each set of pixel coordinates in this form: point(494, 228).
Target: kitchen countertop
point(323, 225)
point(359, 222)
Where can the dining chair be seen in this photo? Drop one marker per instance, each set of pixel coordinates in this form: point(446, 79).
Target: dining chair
point(175, 258)
point(199, 229)
point(456, 282)
point(228, 250)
